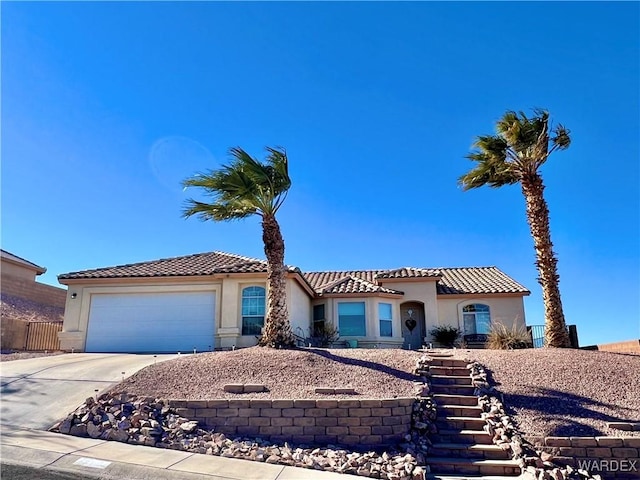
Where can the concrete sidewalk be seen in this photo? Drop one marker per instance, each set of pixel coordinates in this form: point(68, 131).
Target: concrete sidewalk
point(112, 460)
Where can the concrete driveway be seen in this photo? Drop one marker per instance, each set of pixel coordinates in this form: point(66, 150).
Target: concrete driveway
point(37, 392)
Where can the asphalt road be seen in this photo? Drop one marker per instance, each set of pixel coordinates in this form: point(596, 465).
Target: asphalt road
point(37, 392)
point(20, 472)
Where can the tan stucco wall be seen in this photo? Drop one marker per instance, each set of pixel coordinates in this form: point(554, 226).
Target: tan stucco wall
point(299, 306)
point(228, 314)
point(424, 292)
point(372, 326)
point(76, 317)
point(504, 310)
point(20, 271)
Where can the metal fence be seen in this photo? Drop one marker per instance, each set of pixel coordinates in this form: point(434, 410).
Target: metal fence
point(537, 335)
point(43, 336)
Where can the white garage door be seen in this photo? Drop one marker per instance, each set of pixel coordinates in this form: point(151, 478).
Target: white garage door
point(151, 322)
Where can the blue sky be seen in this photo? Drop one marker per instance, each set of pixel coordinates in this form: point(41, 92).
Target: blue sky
point(107, 106)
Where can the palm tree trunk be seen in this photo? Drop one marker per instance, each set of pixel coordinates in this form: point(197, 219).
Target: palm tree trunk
point(556, 334)
point(277, 329)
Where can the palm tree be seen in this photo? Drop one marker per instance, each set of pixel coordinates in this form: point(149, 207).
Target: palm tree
point(248, 187)
point(514, 155)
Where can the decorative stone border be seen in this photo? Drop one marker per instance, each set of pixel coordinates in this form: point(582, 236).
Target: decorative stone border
point(147, 421)
point(612, 457)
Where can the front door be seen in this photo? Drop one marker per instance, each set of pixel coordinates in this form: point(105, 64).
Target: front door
point(413, 327)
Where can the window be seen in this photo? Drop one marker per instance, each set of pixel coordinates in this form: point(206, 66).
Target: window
point(385, 316)
point(253, 310)
point(477, 319)
point(318, 320)
point(351, 319)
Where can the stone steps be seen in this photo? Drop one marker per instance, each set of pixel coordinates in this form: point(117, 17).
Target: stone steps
point(473, 411)
point(447, 362)
point(450, 380)
point(461, 450)
point(458, 371)
point(466, 390)
point(460, 423)
point(473, 466)
point(468, 437)
point(455, 400)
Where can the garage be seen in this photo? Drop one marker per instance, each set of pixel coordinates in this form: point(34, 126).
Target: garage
point(151, 322)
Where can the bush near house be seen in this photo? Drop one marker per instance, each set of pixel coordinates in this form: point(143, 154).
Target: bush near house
point(446, 336)
point(503, 338)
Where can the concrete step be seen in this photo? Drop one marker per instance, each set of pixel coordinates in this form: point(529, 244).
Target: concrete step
point(457, 371)
point(453, 389)
point(459, 410)
point(461, 450)
point(450, 380)
point(468, 437)
point(446, 399)
point(473, 466)
point(460, 423)
point(447, 362)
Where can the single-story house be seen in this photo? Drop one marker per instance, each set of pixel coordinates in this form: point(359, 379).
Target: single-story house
point(217, 300)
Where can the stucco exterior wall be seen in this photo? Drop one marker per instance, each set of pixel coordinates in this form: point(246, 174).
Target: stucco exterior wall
point(506, 310)
point(77, 309)
point(299, 306)
point(372, 336)
point(228, 311)
point(423, 291)
point(19, 271)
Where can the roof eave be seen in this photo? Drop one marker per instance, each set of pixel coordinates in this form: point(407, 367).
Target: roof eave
point(480, 295)
point(359, 295)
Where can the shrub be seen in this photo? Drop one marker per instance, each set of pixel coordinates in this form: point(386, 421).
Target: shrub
point(445, 335)
point(503, 338)
point(326, 335)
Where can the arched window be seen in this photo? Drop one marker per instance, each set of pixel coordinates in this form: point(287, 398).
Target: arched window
point(253, 299)
point(476, 318)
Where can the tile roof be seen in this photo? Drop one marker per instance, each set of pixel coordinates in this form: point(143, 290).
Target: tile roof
point(353, 284)
point(450, 281)
point(409, 272)
point(477, 280)
point(190, 265)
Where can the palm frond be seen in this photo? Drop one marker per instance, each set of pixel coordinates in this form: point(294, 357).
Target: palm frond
point(243, 187)
point(217, 211)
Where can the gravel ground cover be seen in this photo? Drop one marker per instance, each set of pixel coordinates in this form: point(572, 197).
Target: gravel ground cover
point(558, 392)
point(547, 391)
point(28, 311)
point(289, 374)
point(10, 356)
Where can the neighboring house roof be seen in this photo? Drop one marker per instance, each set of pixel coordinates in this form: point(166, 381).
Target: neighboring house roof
point(475, 280)
point(21, 261)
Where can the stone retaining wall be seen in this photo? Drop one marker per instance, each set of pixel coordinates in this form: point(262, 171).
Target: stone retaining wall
point(366, 422)
point(611, 457)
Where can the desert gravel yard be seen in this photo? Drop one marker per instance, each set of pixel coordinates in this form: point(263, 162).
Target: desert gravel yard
point(547, 391)
point(558, 392)
point(289, 374)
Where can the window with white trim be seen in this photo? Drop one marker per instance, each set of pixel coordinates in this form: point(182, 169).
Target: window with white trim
point(385, 316)
point(476, 319)
point(351, 319)
point(253, 308)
